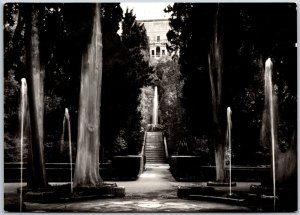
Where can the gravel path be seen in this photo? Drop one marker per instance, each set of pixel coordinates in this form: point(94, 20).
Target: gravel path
point(154, 191)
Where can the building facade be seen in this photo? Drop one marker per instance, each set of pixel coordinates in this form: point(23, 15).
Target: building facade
point(157, 36)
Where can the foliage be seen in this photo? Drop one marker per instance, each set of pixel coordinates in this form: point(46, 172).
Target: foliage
point(146, 105)
point(120, 145)
point(12, 148)
point(170, 93)
point(134, 74)
point(250, 35)
point(11, 103)
point(64, 31)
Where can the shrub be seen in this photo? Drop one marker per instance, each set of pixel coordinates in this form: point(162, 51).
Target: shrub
point(127, 167)
point(190, 168)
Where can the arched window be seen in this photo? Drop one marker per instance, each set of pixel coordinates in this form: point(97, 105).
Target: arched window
point(157, 51)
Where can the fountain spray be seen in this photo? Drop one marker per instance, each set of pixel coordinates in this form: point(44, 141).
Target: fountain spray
point(155, 107)
point(22, 116)
point(66, 122)
point(270, 100)
point(229, 125)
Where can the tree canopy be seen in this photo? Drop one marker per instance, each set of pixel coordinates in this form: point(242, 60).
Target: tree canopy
point(64, 30)
point(250, 33)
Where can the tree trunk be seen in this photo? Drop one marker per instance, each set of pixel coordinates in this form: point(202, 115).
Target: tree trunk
point(286, 171)
point(286, 164)
point(88, 140)
point(215, 59)
point(219, 156)
point(35, 79)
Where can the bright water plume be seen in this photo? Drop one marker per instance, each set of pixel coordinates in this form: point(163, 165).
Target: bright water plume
point(155, 107)
point(67, 124)
point(270, 119)
point(229, 126)
point(23, 111)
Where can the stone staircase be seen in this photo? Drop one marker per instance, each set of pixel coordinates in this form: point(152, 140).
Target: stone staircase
point(155, 153)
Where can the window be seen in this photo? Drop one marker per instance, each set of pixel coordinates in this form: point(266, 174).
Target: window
point(163, 52)
point(158, 38)
point(152, 53)
point(157, 51)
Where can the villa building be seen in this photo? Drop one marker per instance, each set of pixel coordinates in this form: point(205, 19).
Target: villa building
point(157, 36)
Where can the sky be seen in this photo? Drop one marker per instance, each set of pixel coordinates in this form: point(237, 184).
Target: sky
point(147, 10)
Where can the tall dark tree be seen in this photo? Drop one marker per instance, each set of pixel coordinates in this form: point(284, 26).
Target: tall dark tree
point(250, 34)
point(127, 68)
point(88, 141)
point(170, 93)
point(215, 69)
point(134, 39)
point(113, 75)
point(35, 78)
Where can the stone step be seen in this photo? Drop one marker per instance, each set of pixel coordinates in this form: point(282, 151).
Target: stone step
point(150, 162)
point(157, 151)
point(154, 136)
point(154, 133)
point(156, 160)
point(155, 154)
point(157, 157)
point(154, 150)
point(153, 142)
point(154, 146)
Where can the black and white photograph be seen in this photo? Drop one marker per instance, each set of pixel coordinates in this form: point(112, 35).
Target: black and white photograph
point(138, 107)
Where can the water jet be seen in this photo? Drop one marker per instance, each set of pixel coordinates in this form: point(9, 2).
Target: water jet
point(66, 123)
point(22, 116)
point(155, 108)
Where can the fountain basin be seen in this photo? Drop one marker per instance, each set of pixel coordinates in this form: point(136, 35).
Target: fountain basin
point(220, 184)
point(209, 194)
point(61, 193)
point(255, 197)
